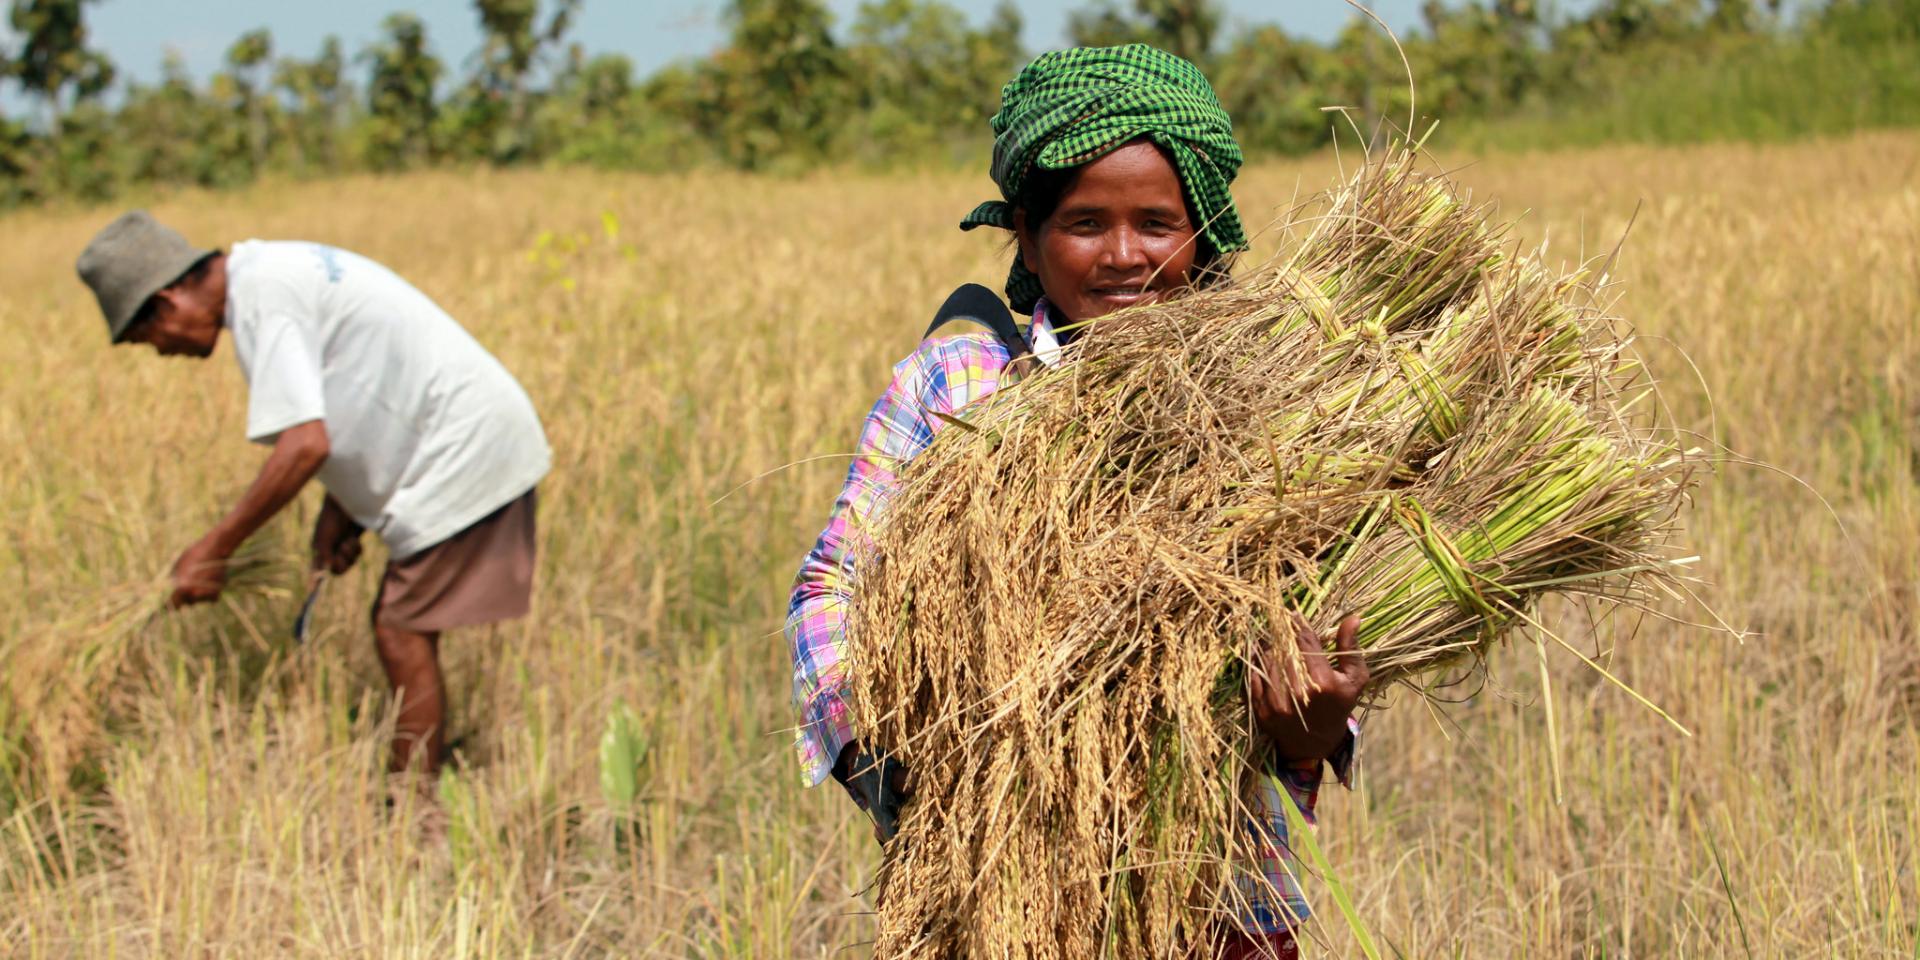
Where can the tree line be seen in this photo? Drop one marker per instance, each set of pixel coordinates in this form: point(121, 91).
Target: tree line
point(906, 82)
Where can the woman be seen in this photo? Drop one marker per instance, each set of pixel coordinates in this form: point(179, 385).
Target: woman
point(1114, 164)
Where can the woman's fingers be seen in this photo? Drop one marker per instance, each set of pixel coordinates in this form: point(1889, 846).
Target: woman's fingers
point(1257, 677)
point(1268, 685)
point(1260, 680)
point(1318, 674)
point(1318, 670)
point(1348, 633)
point(1296, 665)
point(1284, 679)
point(1352, 664)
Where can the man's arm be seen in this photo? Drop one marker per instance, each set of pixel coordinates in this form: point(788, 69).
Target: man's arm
point(298, 452)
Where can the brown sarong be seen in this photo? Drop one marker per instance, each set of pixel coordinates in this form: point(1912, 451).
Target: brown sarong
point(480, 575)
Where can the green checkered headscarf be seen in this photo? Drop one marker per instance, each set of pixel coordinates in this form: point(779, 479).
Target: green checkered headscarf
point(1071, 107)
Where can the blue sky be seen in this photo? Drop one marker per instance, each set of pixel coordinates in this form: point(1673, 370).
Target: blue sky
point(136, 33)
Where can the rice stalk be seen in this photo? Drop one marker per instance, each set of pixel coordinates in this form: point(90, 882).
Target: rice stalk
point(1400, 417)
point(62, 675)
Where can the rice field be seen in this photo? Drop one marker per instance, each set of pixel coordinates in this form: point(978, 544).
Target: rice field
point(701, 349)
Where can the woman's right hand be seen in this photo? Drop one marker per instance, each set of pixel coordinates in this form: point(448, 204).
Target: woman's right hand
point(899, 786)
point(1301, 698)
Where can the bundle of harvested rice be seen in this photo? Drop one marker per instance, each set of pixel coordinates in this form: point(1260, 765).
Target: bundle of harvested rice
point(1400, 417)
point(61, 677)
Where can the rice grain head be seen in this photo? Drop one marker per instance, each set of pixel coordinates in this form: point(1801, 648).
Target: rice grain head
point(1399, 416)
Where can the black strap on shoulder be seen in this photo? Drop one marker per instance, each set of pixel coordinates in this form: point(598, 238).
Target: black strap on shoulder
point(976, 304)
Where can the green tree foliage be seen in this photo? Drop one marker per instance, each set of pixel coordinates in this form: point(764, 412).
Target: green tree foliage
point(318, 97)
point(401, 108)
point(1104, 24)
point(16, 187)
point(178, 129)
point(52, 65)
point(1271, 84)
point(1477, 59)
point(772, 93)
point(1616, 25)
point(597, 114)
point(1868, 23)
point(494, 115)
point(244, 83)
point(1186, 27)
point(912, 81)
point(925, 77)
point(53, 54)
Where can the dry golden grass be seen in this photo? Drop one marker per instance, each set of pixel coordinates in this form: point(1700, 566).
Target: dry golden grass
point(233, 805)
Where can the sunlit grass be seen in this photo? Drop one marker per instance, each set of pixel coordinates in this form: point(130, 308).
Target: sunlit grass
point(683, 336)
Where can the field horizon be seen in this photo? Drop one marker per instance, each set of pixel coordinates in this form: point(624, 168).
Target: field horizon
point(701, 348)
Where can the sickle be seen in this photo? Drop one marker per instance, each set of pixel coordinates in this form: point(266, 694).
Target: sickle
point(305, 619)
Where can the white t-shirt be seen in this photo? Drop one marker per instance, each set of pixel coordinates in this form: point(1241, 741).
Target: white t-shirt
point(429, 433)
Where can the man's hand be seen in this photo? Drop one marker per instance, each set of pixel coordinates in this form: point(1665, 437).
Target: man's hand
point(200, 573)
point(336, 539)
point(1301, 704)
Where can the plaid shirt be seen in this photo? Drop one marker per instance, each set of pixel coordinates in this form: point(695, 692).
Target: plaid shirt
point(942, 377)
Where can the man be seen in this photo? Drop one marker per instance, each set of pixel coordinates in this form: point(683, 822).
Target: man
point(359, 379)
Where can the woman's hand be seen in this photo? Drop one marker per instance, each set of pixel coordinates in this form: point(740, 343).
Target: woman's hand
point(1301, 704)
point(867, 789)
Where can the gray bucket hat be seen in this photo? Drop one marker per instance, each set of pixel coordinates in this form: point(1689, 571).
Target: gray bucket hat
point(131, 259)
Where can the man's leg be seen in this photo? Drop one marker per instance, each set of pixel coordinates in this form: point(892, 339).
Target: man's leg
point(412, 661)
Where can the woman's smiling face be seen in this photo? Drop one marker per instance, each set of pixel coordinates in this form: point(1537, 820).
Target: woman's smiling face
point(1119, 236)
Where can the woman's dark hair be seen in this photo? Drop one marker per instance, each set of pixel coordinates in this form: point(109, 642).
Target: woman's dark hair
point(1040, 196)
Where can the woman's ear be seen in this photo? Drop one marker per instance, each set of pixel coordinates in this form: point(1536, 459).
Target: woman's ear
point(1029, 250)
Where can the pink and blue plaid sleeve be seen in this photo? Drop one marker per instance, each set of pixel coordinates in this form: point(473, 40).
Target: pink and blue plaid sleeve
point(1271, 899)
point(940, 377)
